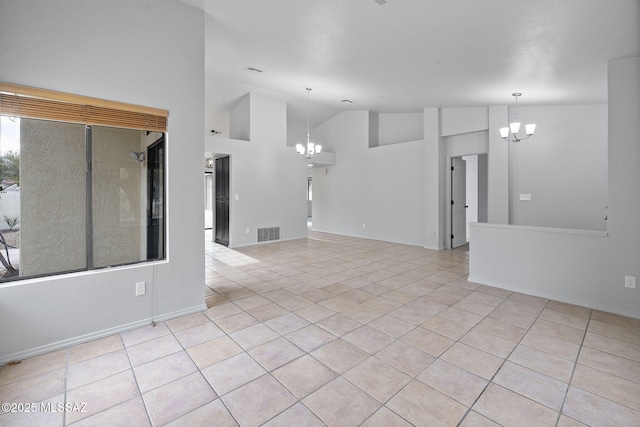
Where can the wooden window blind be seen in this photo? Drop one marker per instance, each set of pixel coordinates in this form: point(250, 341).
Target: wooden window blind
point(33, 103)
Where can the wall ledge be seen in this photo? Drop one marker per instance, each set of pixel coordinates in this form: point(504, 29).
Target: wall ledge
point(535, 229)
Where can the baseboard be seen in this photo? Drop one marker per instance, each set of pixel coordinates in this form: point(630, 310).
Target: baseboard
point(559, 298)
point(96, 335)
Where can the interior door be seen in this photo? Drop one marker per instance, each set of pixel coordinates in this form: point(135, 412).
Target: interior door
point(222, 201)
point(458, 202)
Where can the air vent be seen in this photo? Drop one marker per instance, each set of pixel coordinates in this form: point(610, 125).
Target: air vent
point(268, 234)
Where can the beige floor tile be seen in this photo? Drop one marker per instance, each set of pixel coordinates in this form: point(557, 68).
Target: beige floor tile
point(339, 355)
point(616, 319)
point(186, 322)
point(297, 415)
point(391, 326)
point(612, 346)
point(542, 362)
point(461, 316)
point(163, 371)
point(33, 366)
point(474, 307)
point(146, 333)
point(310, 338)
point(102, 394)
point(210, 352)
point(303, 376)
point(614, 365)
point(368, 339)
point(275, 353)
point(148, 351)
point(501, 314)
point(278, 294)
point(534, 385)
point(40, 418)
point(473, 419)
point(551, 345)
point(448, 295)
point(294, 303)
point(385, 418)
point(286, 323)
point(236, 322)
point(594, 410)
point(411, 315)
point(129, 413)
point(254, 336)
point(565, 421)
point(631, 335)
point(501, 330)
point(377, 379)
point(257, 402)
point(338, 324)
point(446, 327)
point(222, 310)
point(81, 352)
point(422, 405)
point(198, 334)
point(427, 341)
point(511, 409)
point(205, 415)
point(557, 330)
point(232, 373)
point(250, 302)
point(405, 357)
point(317, 295)
point(501, 293)
point(340, 403)
point(489, 343)
point(605, 385)
point(571, 309)
point(454, 382)
point(528, 299)
point(313, 313)
point(520, 308)
point(564, 319)
point(267, 311)
point(34, 389)
point(100, 367)
point(339, 303)
point(473, 360)
point(178, 398)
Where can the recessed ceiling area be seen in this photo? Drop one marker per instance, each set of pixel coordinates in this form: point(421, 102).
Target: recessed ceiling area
point(406, 55)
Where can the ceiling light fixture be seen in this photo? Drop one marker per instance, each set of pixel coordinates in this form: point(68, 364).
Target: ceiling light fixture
point(346, 101)
point(381, 2)
point(514, 127)
point(311, 149)
point(255, 70)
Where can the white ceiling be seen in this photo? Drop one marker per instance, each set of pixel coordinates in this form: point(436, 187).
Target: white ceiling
point(409, 54)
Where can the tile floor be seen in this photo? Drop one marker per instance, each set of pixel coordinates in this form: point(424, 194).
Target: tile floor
point(341, 331)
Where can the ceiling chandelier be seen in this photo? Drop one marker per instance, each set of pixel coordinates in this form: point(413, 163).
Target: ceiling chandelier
point(514, 127)
point(311, 149)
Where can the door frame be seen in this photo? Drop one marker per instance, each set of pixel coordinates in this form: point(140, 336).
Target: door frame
point(447, 199)
point(452, 206)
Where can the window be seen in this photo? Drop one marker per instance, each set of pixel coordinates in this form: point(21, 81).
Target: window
point(77, 196)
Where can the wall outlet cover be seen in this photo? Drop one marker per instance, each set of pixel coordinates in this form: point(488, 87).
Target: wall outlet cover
point(630, 282)
point(140, 288)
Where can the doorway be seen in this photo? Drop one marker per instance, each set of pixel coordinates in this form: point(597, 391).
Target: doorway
point(222, 168)
point(208, 200)
point(467, 185)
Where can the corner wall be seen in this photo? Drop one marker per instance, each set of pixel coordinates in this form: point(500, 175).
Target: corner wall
point(154, 57)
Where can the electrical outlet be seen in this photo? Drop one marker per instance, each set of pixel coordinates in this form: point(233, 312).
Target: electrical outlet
point(525, 196)
point(246, 230)
point(140, 288)
point(630, 282)
point(364, 225)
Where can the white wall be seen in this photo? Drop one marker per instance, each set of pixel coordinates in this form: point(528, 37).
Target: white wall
point(586, 268)
point(395, 128)
point(563, 166)
point(268, 177)
point(371, 192)
point(135, 51)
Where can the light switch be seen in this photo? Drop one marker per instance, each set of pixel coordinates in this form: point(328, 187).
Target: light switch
point(525, 196)
point(237, 197)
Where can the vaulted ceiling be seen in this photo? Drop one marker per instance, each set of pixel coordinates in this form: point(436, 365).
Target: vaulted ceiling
point(405, 55)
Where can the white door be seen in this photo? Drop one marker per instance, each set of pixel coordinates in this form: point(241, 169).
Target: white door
point(458, 202)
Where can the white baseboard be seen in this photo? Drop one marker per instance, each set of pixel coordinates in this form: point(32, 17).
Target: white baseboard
point(559, 298)
point(25, 354)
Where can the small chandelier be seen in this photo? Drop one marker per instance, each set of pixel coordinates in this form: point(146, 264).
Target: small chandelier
point(514, 127)
point(311, 149)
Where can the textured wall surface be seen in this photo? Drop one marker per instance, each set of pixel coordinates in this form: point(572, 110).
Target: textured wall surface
point(53, 210)
point(118, 193)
